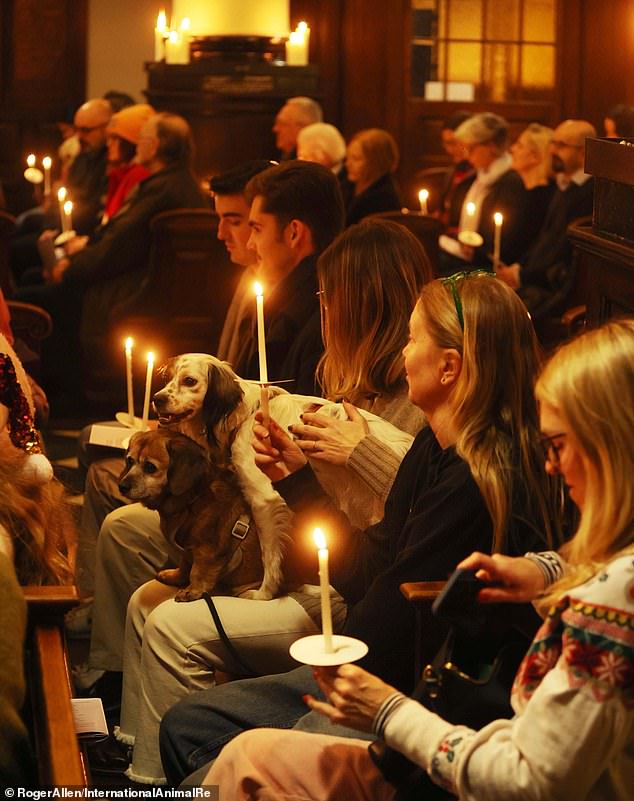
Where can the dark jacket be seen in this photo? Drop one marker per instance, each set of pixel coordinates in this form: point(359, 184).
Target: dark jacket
point(435, 516)
point(87, 187)
point(293, 332)
point(382, 195)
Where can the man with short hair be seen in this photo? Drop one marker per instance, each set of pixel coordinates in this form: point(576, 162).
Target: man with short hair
point(546, 274)
point(295, 114)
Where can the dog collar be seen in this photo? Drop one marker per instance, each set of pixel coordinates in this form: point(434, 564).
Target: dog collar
point(241, 527)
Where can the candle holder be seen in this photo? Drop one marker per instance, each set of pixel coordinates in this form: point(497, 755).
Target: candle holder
point(311, 650)
point(33, 175)
point(470, 238)
point(64, 237)
point(124, 419)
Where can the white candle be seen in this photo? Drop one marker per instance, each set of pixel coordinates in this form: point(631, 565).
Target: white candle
point(324, 586)
point(297, 46)
point(148, 391)
point(128, 374)
point(423, 196)
point(498, 220)
point(264, 377)
point(61, 199)
point(159, 36)
point(185, 28)
point(471, 210)
point(68, 216)
point(32, 174)
point(172, 47)
point(30, 160)
point(46, 163)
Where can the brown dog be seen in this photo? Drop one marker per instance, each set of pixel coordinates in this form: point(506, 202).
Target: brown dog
point(202, 511)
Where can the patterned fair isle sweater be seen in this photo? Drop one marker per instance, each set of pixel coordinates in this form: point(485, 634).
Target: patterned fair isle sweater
point(572, 737)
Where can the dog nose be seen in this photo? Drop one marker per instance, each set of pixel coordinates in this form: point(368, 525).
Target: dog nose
point(158, 400)
point(123, 488)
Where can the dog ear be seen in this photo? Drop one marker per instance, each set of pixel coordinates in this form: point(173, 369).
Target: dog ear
point(188, 463)
point(166, 371)
point(223, 395)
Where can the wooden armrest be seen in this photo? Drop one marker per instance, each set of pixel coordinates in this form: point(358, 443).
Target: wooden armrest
point(49, 604)
point(422, 591)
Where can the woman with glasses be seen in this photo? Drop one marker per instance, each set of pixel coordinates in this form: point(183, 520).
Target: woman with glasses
point(572, 735)
point(472, 479)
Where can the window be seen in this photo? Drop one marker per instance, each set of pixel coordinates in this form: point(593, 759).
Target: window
point(484, 50)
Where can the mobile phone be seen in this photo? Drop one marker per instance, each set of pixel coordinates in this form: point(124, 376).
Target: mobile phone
point(458, 600)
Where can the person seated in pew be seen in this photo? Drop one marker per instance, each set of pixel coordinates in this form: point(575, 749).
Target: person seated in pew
point(85, 286)
point(374, 265)
point(572, 735)
point(546, 269)
point(371, 161)
point(472, 478)
point(323, 144)
point(619, 122)
point(295, 114)
point(495, 187)
point(448, 211)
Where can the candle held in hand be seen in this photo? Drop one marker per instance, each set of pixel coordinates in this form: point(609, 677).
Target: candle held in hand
point(264, 377)
point(324, 586)
point(497, 242)
point(128, 374)
point(68, 216)
point(47, 162)
point(423, 197)
point(148, 391)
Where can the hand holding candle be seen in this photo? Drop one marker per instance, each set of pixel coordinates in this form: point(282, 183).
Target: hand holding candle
point(148, 391)
point(498, 220)
point(324, 586)
point(264, 378)
point(423, 196)
point(128, 372)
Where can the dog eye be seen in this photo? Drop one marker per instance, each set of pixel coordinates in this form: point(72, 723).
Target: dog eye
point(190, 381)
point(129, 461)
point(148, 467)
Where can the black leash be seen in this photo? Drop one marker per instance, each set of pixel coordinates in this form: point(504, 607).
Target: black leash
point(249, 673)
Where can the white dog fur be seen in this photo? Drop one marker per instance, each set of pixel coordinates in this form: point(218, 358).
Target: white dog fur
point(206, 400)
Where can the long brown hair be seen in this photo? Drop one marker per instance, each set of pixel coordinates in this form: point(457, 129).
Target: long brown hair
point(369, 278)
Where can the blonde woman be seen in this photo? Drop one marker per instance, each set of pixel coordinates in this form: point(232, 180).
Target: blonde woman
point(472, 475)
point(371, 160)
point(572, 736)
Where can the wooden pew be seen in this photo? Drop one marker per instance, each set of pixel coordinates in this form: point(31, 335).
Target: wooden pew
point(58, 753)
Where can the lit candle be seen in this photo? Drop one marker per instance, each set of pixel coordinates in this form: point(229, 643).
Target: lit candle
point(68, 216)
point(30, 160)
point(128, 374)
point(172, 47)
point(498, 220)
point(148, 391)
point(32, 174)
point(324, 586)
point(185, 28)
point(159, 36)
point(46, 163)
point(297, 46)
point(471, 210)
point(61, 199)
point(264, 377)
point(423, 195)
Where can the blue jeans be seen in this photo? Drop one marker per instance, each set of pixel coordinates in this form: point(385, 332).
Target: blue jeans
point(194, 731)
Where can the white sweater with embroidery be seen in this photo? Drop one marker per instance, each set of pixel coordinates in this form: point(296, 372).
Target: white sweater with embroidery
point(572, 737)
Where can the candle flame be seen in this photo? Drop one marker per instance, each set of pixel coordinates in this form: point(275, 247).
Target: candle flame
point(61, 194)
point(497, 218)
point(46, 162)
point(128, 343)
point(423, 195)
point(161, 22)
point(186, 24)
point(302, 27)
point(320, 539)
point(30, 160)
point(68, 207)
point(258, 289)
point(471, 209)
point(150, 358)
point(174, 37)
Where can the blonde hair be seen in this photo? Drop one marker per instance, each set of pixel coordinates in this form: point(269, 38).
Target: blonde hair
point(369, 278)
point(38, 520)
point(380, 153)
point(493, 406)
point(539, 138)
point(590, 384)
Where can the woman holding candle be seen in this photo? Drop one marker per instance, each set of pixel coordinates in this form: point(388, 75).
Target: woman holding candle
point(472, 478)
point(572, 735)
point(171, 647)
point(371, 160)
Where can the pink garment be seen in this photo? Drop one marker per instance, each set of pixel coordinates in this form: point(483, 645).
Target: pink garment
point(5, 319)
point(121, 181)
point(316, 767)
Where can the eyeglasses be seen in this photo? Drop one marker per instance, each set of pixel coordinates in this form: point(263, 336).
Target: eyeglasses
point(551, 447)
point(559, 144)
point(84, 129)
point(452, 283)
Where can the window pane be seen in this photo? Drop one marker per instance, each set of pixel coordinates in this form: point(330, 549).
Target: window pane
point(465, 19)
point(538, 66)
point(503, 20)
point(539, 20)
point(501, 72)
point(422, 68)
point(464, 62)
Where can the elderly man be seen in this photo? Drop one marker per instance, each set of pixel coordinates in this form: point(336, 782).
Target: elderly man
point(107, 270)
point(547, 271)
point(295, 114)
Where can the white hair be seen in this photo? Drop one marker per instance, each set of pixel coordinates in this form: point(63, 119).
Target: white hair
point(308, 110)
point(326, 144)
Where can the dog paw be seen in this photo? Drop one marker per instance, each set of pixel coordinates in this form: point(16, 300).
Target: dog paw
point(172, 577)
point(257, 595)
point(187, 594)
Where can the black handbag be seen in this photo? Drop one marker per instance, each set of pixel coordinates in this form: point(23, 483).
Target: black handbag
point(463, 687)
